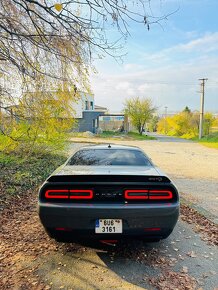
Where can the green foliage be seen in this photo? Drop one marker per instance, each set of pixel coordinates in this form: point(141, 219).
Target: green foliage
point(153, 123)
point(208, 122)
point(213, 138)
point(215, 122)
point(139, 111)
point(18, 174)
point(137, 136)
point(210, 140)
point(39, 123)
point(187, 110)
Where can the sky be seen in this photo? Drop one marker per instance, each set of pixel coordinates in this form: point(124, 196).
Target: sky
point(166, 62)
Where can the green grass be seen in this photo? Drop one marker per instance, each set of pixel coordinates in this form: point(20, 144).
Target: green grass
point(209, 141)
point(137, 136)
point(19, 174)
point(128, 136)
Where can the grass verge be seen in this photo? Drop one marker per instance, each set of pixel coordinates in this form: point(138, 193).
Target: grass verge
point(210, 141)
point(128, 136)
point(114, 135)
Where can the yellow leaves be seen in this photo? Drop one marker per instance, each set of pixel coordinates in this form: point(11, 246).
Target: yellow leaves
point(58, 6)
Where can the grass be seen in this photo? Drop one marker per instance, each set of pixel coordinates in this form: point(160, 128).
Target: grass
point(19, 174)
point(113, 135)
point(128, 136)
point(209, 141)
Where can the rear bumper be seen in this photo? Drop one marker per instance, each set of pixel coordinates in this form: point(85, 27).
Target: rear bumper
point(80, 219)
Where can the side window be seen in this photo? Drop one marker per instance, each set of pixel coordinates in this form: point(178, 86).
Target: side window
point(91, 105)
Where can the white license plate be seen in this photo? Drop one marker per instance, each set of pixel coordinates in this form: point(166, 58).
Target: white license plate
point(108, 226)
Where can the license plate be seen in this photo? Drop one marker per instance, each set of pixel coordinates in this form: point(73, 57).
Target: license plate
point(108, 226)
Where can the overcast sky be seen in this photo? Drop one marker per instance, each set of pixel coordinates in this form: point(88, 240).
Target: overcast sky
point(166, 62)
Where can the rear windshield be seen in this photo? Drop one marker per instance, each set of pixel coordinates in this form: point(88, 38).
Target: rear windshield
point(109, 157)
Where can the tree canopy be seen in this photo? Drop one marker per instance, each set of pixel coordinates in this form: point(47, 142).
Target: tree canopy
point(61, 30)
point(46, 48)
point(139, 111)
point(185, 124)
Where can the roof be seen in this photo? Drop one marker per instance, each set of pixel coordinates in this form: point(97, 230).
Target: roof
point(100, 108)
point(112, 146)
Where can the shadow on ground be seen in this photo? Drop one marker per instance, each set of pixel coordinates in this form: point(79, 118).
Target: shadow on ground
point(124, 266)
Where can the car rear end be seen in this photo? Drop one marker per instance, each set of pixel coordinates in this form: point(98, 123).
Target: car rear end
point(108, 207)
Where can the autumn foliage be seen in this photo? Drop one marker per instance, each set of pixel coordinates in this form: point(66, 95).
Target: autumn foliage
point(185, 124)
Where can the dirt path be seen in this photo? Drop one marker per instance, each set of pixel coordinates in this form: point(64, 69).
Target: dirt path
point(193, 167)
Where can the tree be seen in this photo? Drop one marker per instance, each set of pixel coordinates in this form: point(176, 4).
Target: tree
point(139, 111)
point(40, 121)
point(55, 39)
point(153, 123)
point(50, 25)
point(208, 122)
point(185, 124)
point(187, 110)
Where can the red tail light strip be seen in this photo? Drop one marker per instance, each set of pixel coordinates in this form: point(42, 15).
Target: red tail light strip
point(63, 229)
point(160, 194)
point(136, 194)
point(81, 194)
point(152, 229)
point(61, 193)
point(66, 194)
point(148, 194)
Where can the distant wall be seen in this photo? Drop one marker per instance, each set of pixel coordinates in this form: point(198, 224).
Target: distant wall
point(88, 121)
point(110, 125)
point(113, 122)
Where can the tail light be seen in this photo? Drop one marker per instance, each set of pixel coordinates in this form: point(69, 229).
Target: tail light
point(136, 194)
point(69, 194)
point(63, 229)
point(148, 194)
point(81, 194)
point(160, 194)
point(152, 229)
point(56, 193)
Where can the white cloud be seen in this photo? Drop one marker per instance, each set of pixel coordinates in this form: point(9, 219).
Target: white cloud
point(202, 45)
point(175, 85)
point(169, 77)
point(207, 43)
point(132, 66)
point(122, 85)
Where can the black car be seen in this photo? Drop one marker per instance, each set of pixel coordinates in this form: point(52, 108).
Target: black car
point(108, 192)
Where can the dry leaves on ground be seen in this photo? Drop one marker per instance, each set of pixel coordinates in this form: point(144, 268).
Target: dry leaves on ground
point(170, 280)
point(207, 229)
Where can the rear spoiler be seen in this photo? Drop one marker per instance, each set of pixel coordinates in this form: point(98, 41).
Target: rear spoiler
point(108, 178)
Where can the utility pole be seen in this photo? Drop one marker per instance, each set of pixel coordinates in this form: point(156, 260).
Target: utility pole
point(202, 108)
point(165, 121)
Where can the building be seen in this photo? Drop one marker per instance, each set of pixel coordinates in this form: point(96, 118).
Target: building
point(91, 117)
point(87, 113)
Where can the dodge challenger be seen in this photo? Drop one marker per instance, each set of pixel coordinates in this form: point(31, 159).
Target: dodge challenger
point(108, 192)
